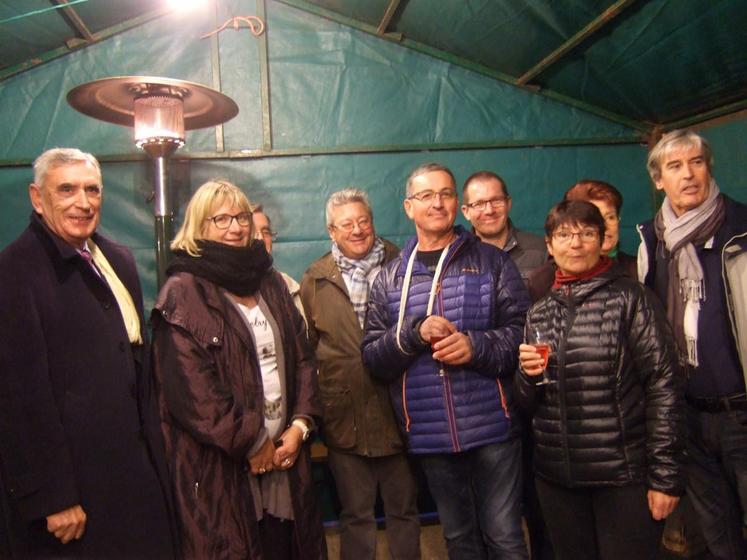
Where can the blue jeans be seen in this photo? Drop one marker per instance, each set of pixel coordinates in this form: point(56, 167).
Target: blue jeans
point(717, 478)
point(478, 496)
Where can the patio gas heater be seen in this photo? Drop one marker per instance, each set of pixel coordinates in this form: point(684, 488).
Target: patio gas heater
point(160, 110)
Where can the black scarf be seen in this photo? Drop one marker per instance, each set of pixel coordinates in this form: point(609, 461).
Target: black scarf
point(236, 269)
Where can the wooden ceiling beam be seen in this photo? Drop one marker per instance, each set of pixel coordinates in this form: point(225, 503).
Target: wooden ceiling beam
point(391, 9)
point(75, 20)
point(595, 25)
point(72, 45)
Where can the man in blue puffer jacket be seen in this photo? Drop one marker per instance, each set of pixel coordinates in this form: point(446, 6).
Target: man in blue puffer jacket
point(443, 327)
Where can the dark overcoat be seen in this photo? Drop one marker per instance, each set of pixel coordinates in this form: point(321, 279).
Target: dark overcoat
point(78, 421)
point(211, 400)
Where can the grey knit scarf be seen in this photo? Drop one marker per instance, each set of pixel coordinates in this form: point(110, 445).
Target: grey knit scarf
point(686, 286)
point(355, 274)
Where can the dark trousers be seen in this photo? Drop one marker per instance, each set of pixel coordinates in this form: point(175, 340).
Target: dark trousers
point(539, 541)
point(478, 496)
point(276, 536)
point(717, 478)
point(609, 523)
point(357, 479)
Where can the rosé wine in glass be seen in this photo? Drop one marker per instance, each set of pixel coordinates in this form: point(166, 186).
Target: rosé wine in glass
point(543, 349)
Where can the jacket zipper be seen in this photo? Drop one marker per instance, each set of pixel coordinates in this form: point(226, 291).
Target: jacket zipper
point(561, 383)
point(730, 299)
point(448, 397)
point(450, 414)
point(404, 402)
point(504, 405)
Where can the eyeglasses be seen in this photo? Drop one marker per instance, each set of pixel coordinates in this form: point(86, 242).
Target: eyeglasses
point(611, 219)
point(427, 197)
point(223, 221)
point(364, 224)
point(266, 232)
point(564, 237)
point(494, 203)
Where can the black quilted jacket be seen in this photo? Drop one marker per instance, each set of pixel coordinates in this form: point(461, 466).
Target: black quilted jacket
point(615, 415)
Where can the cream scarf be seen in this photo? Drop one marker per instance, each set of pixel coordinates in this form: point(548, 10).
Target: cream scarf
point(122, 295)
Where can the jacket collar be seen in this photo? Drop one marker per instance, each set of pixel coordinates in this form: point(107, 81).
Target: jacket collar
point(326, 268)
point(55, 245)
point(463, 239)
point(218, 299)
point(735, 220)
point(511, 240)
point(61, 252)
point(579, 291)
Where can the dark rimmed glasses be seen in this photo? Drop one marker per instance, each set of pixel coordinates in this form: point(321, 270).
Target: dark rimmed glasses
point(223, 221)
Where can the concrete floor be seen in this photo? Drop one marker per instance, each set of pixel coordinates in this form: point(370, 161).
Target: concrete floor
point(432, 546)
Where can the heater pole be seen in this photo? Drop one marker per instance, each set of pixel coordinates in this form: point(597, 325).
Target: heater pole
point(163, 216)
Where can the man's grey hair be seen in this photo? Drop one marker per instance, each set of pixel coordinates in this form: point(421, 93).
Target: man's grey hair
point(259, 209)
point(424, 168)
point(343, 197)
point(677, 140)
point(57, 157)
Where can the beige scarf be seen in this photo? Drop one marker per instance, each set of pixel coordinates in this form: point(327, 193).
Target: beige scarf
point(121, 294)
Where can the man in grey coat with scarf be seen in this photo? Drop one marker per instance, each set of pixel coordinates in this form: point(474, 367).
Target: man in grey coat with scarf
point(366, 451)
point(694, 255)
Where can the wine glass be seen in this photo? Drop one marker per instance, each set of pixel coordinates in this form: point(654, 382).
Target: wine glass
point(542, 346)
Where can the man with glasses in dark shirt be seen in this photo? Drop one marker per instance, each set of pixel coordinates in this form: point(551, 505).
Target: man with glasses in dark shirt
point(486, 206)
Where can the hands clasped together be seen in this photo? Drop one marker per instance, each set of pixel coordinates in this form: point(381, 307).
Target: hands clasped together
point(280, 458)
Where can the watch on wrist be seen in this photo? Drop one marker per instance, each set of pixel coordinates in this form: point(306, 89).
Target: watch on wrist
point(301, 425)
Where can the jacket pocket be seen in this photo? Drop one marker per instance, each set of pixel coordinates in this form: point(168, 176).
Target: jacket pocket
point(22, 485)
point(198, 475)
point(339, 427)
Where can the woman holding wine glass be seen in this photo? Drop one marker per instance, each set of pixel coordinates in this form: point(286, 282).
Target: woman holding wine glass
point(608, 426)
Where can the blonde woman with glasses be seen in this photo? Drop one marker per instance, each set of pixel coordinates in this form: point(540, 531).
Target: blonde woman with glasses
point(237, 390)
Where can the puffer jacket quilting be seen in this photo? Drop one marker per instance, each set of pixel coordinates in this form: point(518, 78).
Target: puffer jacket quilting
point(615, 415)
point(482, 293)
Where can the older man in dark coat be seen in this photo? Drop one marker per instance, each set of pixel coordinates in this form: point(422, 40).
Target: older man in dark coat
point(81, 454)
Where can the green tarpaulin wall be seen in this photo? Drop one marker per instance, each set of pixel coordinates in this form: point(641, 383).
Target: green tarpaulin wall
point(345, 109)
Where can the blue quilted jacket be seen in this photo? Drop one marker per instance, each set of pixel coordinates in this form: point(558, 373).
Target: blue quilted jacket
point(482, 293)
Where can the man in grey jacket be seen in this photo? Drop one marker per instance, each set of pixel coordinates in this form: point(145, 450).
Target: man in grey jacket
point(486, 205)
point(366, 452)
